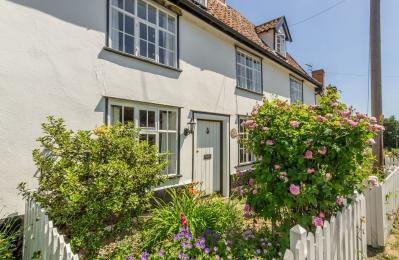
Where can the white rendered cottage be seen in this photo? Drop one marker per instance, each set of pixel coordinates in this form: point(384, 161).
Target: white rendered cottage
point(187, 73)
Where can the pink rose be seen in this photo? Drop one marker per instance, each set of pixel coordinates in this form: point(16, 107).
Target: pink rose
point(283, 177)
point(294, 124)
point(321, 118)
point(295, 190)
point(283, 174)
point(370, 141)
point(340, 201)
point(373, 120)
point(328, 176)
point(265, 129)
point(311, 170)
point(255, 191)
point(321, 214)
point(317, 221)
point(255, 110)
point(308, 155)
point(277, 167)
point(346, 113)
point(251, 182)
point(269, 142)
point(322, 150)
point(352, 123)
point(373, 180)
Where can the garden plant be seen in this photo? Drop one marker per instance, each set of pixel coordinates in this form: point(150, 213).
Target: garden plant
point(311, 159)
point(9, 234)
point(94, 184)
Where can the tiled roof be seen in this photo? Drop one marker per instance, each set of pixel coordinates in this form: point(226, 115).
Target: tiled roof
point(268, 25)
point(233, 19)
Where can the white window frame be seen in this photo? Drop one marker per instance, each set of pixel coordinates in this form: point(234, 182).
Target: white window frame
point(296, 86)
point(255, 72)
point(241, 147)
point(281, 44)
point(157, 27)
point(149, 130)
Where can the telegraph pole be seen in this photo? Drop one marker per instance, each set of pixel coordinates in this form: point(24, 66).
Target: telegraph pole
point(375, 68)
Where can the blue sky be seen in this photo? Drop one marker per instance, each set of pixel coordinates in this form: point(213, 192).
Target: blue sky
point(338, 42)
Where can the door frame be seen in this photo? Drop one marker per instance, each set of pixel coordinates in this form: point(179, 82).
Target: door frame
point(224, 121)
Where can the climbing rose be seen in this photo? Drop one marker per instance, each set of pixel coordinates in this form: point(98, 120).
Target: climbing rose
point(255, 191)
point(317, 221)
point(265, 129)
point(251, 182)
point(340, 201)
point(370, 141)
point(308, 155)
point(346, 113)
point(294, 124)
point(295, 190)
point(269, 142)
point(277, 167)
point(322, 150)
point(311, 170)
point(321, 214)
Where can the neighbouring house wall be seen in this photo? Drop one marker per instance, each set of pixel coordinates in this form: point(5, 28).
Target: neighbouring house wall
point(53, 63)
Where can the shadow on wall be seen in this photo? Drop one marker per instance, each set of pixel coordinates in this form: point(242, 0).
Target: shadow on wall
point(91, 14)
point(248, 94)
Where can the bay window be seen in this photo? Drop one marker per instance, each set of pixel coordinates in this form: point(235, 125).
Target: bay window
point(158, 126)
point(140, 28)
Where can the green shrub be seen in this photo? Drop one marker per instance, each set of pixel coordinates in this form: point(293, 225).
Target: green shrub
point(212, 213)
point(9, 233)
point(92, 183)
point(311, 158)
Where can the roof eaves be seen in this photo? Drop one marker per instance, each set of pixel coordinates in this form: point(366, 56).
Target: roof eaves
point(209, 18)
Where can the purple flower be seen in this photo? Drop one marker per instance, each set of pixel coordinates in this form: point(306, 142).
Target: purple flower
point(186, 245)
point(161, 253)
point(144, 256)
point(182, 256)
point(200, 243)
point(207, 250)
point(129, 258)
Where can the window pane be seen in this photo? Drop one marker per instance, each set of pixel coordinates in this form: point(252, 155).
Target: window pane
point(162, 20)
point(172, 125)
point(118, 3)
point(161, 40)
point(116, 114)
point(151, 118)
point(172, 169)
point(129, 44)
point(151, 34)
point(163, 120)
point(163, 142)
point(143, 31)
point(171, 42)
point(115, 39)
point(172, 60)
point(171, 24)
point(143, 118)
point(128, 114)
point(142, 9)
point(129, 25)
point(143, 137)
point(116, 23)
point(152, 139)
point(152, 14)
point(172, 142)
point(129, 6)
point(143, 48)
point(162, 56)
point(151, 51)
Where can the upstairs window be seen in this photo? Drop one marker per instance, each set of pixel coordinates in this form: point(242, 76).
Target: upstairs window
point(142, 29)
point(249, 72)
point(296, 90)
point(280, 44)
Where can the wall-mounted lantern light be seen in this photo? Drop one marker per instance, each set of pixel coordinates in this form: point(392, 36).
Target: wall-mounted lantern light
point(190, 129)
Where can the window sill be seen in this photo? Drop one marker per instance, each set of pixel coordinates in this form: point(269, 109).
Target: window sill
point(246, 164)
point(141, 59)
point(173, 176)
point(250, 91)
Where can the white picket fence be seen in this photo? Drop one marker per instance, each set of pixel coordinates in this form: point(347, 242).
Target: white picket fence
point(41, 238)
point(391, 161)
point(382, 205)
point(342, 238)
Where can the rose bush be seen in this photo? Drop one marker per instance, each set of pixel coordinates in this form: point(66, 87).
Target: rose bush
point(311, 158)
